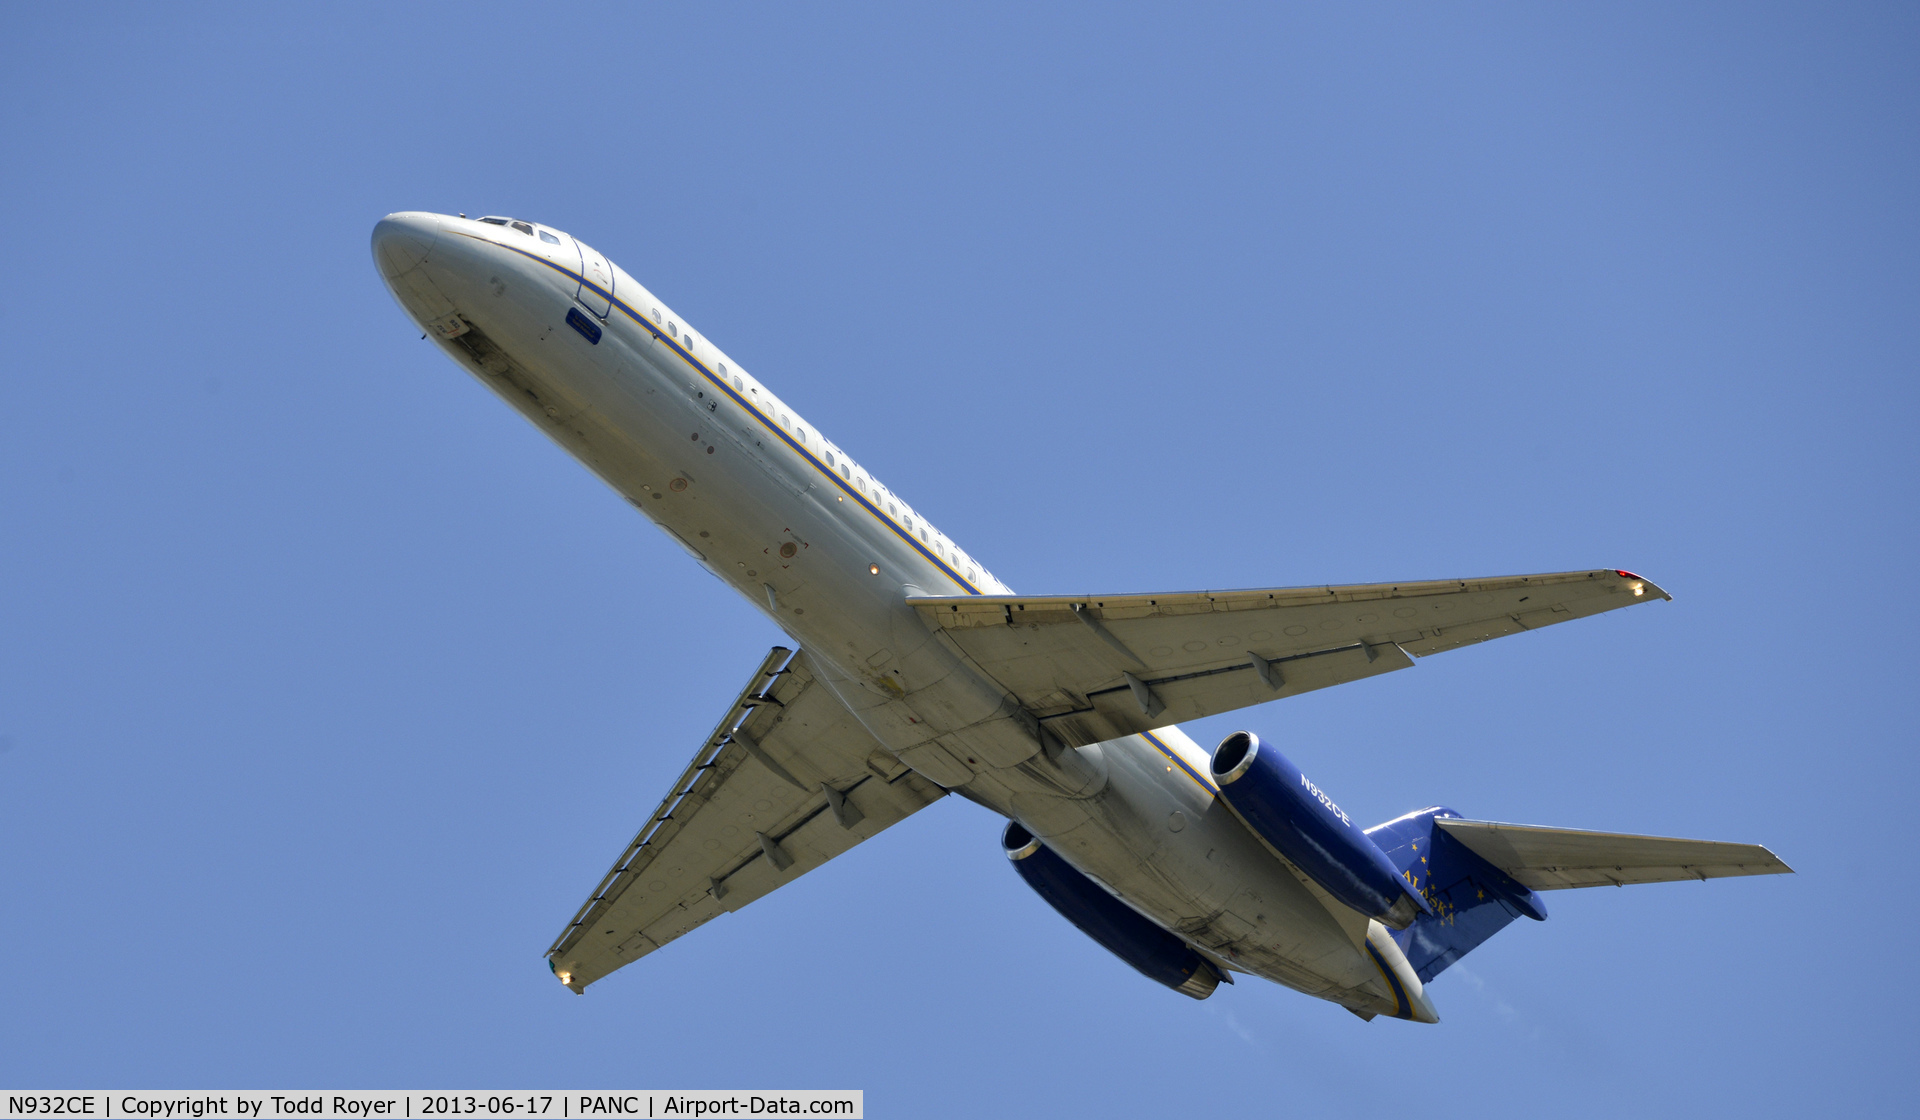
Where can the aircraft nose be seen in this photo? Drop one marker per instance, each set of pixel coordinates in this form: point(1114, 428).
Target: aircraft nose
point(401, 242)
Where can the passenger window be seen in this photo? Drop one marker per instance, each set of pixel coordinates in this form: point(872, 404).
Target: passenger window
point(784, 424)
point(524, 228)
point(892, 509)
point(829, 458)
point(656, 314)
point(861, 482)
point(549, 238)
point(672, 330)
point(844, 472)
point(736, 383)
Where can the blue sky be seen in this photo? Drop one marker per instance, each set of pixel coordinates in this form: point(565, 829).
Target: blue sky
point(328, 687)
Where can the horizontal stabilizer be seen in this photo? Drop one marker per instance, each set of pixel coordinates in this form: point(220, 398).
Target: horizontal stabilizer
point(1548, 859)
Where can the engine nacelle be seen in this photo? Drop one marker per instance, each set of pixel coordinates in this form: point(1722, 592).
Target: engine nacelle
point(1296, 819)
point(1156, 953)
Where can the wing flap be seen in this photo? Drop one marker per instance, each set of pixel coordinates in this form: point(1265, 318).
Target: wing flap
point(1119, 710)
point(1547, 859)
point(1096, 667)
point(782, 785)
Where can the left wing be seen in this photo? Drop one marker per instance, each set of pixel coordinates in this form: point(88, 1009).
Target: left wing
point(788, 780)
point(1097, 667)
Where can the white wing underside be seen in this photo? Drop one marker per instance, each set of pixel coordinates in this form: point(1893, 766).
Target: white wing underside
point(1094, 668)
point(786, 781)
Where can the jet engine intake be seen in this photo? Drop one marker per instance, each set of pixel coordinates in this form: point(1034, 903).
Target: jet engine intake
point(1296, 819)
point(1158, 954)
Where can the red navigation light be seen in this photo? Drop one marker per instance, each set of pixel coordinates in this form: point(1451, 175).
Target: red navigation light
point(1624, 575)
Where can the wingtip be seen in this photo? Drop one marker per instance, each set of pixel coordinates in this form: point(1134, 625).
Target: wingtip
point(1641, 585)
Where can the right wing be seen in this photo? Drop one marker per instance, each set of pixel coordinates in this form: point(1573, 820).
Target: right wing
point(1093, 668)
point(1549, 859)
point(788, 780)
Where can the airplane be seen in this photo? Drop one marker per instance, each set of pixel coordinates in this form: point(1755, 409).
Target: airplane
point(915, 673)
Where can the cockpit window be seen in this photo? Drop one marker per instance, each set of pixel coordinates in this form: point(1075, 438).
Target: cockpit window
point(495, 221)
point(524, 228)
point(549, 238)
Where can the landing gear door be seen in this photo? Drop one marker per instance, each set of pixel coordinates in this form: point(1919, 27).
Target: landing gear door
point(596, 292)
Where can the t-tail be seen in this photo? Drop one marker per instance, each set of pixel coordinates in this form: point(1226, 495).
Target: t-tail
point(1477, 876)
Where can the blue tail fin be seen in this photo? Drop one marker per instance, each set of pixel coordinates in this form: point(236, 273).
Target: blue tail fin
point(1472, 899)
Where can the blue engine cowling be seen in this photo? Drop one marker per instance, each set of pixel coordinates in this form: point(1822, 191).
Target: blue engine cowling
point(1303, 824)
point(1158, 954)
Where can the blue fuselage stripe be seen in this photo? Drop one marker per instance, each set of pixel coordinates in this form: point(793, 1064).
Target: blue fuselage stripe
point(1180, 762)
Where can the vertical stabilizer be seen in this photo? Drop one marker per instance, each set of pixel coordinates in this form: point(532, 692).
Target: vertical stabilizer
point(1472, 899)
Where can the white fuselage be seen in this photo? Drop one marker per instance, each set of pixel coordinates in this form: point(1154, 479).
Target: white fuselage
point(767, 504)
